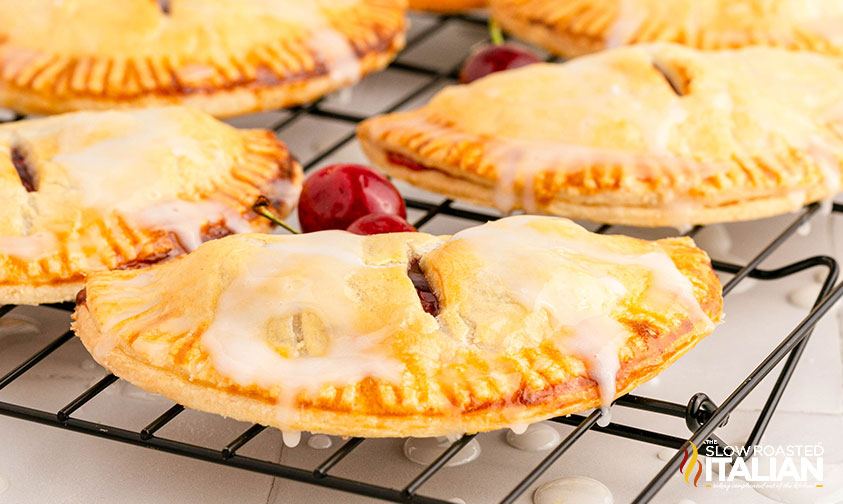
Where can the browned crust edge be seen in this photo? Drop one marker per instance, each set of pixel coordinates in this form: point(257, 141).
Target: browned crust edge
point(574, 28)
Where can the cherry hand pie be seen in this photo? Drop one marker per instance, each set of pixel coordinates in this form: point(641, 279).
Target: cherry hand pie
point(89, 191)
point(575, 27)
point(648, 135)
point(225, 57)
point(404, 334)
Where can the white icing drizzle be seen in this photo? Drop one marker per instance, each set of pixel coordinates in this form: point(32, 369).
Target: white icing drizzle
point(123, 172)
point(573, 490)
point(538, 437)
point(628, 22)
point(319, 442)
point(291, 438)
point(456, 500)
point(338, 54)
point(185, 219)
point(424, 451)
point(29, 248)
point(804, 229)
point(580, 315)
point(518, 428)
point(666, 454)
point(303, 274)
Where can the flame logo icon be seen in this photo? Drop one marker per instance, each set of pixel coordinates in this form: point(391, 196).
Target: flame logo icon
point(686, 467)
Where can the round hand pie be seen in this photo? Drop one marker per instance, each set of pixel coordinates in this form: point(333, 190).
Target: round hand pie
point(574, 27)
point(90, 191)
point(404, 334)
point(649, 135)
point(225, 57)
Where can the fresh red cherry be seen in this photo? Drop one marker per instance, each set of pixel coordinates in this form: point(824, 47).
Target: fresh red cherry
point(337, 195)
point(379, 223)
point(495, 58)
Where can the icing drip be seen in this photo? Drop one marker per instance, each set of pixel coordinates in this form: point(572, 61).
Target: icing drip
point(186, 219)
point(539, 272)
point(628, 22)
point(29, 248)
point(338, 54)
point(573, 490)
point(306, 274)
point(291, 438)
point(518, 429)
point(804, 297)
point(665, 454)
point(424, 451)
point(537, 437)
point(319, 442)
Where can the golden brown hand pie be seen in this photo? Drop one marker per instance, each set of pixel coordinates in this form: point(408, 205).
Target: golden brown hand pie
point(446, 5)
point(225, 57)
point(88, 191)
point(404, 334)
point(575, 27)
point(649, 135)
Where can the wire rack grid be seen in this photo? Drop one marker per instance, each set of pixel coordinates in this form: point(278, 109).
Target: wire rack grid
point(701, 415)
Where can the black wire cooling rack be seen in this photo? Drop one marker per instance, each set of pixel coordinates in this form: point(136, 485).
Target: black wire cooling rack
point(701, 415)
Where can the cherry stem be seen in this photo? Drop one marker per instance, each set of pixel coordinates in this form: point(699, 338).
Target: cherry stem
point(261, 207)
point(495, 32)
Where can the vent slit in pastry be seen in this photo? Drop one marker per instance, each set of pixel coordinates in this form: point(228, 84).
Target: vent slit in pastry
point(324, 332)
point(26, 171)
point(428, 299)
point(164, 5)
point(668, 76)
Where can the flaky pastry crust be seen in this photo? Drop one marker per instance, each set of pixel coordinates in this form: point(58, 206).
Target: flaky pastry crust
point(650, 135)
point(100, 190)
point(487, 360)
point(575, 27)
point(225, 57)
point(446, 5)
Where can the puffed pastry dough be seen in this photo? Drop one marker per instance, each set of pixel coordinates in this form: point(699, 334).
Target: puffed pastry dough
point(88, 191)
point(225, 57)
point(327, 332)
point(446, 5)
point(575, 27)
point(648, 135)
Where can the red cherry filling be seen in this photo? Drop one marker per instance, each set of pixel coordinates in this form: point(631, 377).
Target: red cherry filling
point(22, 166)
point(380, 223)
point(428, 300)
point(215, 231)
point(402, 160)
